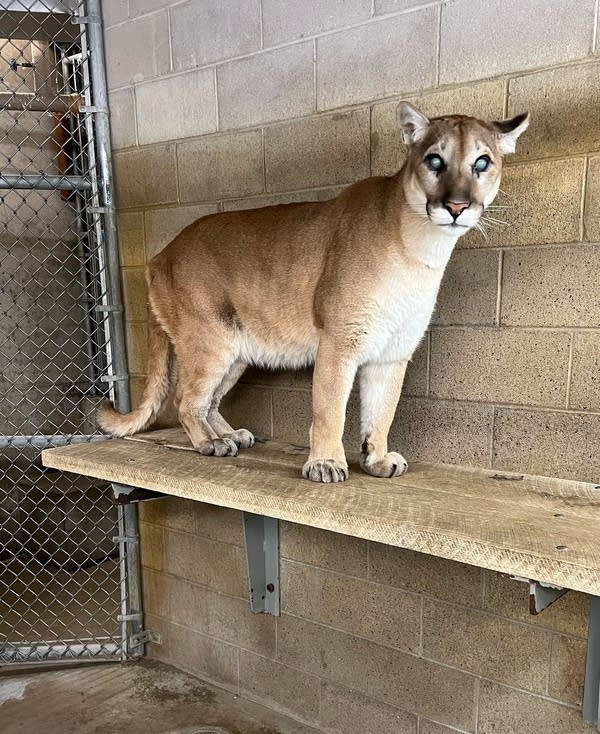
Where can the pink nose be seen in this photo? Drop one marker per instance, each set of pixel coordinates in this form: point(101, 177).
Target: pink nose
point(456, 208)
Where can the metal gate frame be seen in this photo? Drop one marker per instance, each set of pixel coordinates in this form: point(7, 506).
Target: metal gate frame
point(88, 16)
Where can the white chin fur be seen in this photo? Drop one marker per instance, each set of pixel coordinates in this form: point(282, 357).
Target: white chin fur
point(450, 231)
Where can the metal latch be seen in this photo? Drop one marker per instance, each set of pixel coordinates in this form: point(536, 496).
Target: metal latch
point(143, 637)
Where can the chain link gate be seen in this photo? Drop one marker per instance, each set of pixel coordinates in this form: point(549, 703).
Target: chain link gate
point(69, 575)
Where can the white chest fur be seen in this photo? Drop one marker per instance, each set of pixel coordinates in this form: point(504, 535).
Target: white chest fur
point(405, 302)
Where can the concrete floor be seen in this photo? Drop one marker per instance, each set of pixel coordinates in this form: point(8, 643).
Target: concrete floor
point(133, 698)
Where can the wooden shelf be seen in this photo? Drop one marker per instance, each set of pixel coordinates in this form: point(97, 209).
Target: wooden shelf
point(534, 527)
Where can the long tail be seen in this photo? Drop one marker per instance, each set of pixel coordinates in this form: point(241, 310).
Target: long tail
point(155, 392)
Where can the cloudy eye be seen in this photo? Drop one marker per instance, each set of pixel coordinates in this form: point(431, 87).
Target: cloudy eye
point(482, 164)
point(434, 162)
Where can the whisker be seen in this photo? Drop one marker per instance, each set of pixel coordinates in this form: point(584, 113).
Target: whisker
point(493, 220)
point(480, 228)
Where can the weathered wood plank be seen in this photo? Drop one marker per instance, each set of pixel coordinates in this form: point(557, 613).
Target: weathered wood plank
point(541, 528)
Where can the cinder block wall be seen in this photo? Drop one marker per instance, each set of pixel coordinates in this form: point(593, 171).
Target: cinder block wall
point(241, 103)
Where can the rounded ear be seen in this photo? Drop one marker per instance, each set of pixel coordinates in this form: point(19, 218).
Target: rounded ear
point(412, 123)
point(509, 130)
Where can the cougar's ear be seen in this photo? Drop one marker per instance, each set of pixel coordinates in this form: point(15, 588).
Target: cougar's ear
point(411, 122)
point(508, 131)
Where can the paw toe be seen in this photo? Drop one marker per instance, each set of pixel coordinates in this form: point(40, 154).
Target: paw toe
point(242, 438)
point(327, 471)
point(391, 465)
point(218, 447)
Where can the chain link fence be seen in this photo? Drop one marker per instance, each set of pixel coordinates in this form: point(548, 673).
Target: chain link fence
point(63, 543)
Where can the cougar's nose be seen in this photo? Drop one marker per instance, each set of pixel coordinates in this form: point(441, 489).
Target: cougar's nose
point(456, 208)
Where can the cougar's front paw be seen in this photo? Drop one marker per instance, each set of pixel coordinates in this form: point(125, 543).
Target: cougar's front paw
point(242, 438)
point(325, 470)
point(218, 447)
point(390, 465)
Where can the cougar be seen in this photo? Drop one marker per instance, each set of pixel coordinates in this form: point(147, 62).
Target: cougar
point(348, 285)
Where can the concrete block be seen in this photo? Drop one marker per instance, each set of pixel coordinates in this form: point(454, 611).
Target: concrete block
point(204, 32)
point(491, 48)
point(551, 286)
point(563, 104)
point(558, 444)
point(176, 107)
point(585, 376)
point(145, 176)
point(221, 166)
point(273, 85)
point(284, 20)
point(317, 151)
point(500, 365)
point(136, 50)
point(376, 612)
point(122, 118)
point(394, 55)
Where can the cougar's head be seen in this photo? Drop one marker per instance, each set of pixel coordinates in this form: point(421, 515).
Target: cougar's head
point(454, 165)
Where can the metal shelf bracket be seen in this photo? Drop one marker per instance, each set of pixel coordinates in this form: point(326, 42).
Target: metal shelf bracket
point(261, 538)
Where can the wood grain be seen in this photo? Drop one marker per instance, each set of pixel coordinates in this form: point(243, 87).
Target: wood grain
point(513, 526)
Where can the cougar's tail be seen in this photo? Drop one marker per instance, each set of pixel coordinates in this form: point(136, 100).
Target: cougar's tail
point(155, 392)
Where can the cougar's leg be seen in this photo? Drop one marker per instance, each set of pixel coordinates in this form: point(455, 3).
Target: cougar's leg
point(380, 387)
point(332, 382)
point(241, 437)
point(204, 358)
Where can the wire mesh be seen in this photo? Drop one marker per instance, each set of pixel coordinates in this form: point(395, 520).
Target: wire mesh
point(62, 580)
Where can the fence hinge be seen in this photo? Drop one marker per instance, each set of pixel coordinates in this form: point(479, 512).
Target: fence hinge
point(143, 637)
point(112, 307)
point(114, 378)
point(85, 19)
point(126, 539)
point(136, 617)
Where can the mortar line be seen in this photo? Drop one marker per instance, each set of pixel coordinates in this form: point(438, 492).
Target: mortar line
point(315, 75)
point(595, 28)
point(506, 97)
point(438, 54)
point(271, 395)
point(177, 184)
point(171, 66)
point(476, 697)
point(582, 203)
point(570, 370)
point(549, 666)
point(484, 584)
point(428, 364)
point(400, 94)
point(493, 436)
point(261, 19)
point(333, 112)
point(421, 644)
point(217, 111)
point(423, 594)
point(499, 283)
point(135, 117)
point(370, 139)
point(321, 676)
point(471, 401)
point(295, 41)
point(264, 158)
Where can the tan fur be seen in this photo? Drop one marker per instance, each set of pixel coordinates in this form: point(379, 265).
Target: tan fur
point(349, 284)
